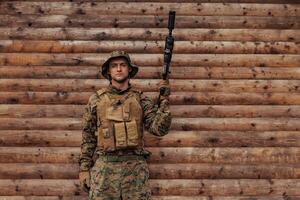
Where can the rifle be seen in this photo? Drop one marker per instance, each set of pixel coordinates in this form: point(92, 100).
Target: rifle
point(169, 43)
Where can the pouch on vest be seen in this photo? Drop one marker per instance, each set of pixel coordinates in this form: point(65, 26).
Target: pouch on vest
point(120, 132)
point(106, 138)
point(132, 133)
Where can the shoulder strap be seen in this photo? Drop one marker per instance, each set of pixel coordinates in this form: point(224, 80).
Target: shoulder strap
point(136, 90)
point(101, 91)
point(137, 93)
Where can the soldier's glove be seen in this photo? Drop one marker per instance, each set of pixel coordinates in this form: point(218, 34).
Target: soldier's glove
point(164, 105)
point(85, 178)
point(164, 89)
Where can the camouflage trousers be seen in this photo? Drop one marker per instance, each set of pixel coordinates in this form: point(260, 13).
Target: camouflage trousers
point(120, 180)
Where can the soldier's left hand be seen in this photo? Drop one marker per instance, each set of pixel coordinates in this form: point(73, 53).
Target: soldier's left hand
point(84, 178)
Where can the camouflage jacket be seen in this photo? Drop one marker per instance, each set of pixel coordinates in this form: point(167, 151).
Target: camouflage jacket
point(155, 121)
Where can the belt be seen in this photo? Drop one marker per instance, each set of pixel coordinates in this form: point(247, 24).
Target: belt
point(112, 158)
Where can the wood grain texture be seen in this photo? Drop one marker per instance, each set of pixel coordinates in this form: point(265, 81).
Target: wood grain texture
point(191, 111)
point(182, 47)
point(198, 197)
point(150, 34)
point(157, 171)
point(72, 138)
point(149, 21)
point(229, 60)
point(161, 187)
point(178, 98)
point(235, 94)
point(246, 155)
point(87, 8)
point(182, 124)
point(151, 85)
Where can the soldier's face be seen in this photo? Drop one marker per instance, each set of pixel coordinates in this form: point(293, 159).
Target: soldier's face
point(119, 70)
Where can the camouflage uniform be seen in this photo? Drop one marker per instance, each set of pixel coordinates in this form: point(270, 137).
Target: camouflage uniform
point(120, 173)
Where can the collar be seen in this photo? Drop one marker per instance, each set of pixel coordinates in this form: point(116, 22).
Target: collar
point(115, 90)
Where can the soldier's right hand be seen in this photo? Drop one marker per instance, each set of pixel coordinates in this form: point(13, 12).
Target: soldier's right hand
point(164, 105)
point(85, 179)
point(164, 88)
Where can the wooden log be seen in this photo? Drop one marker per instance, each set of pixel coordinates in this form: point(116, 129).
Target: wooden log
point(222, 155)
point(182, 124)
point(228, 187)
point(217, 60)
point(225, 155)
point(39, 154)
point(150, 85)
point(39, 138)
point(176, 98)
point(278, 197)
point(268, 35)
point(90, 72)
point(49, 197)
point(65, 138)
point(268, 197)
point(212, 98)
point(190, 1)
point(40, 123)
point(39, 171)
point(157, 171)
point(76, 111)
point(235, 187)
point(177, 72)
point(37, 187)
point(236, 124)
point(225, 139)
point(93, 9)
point(149, 21)
point(209, 171)
point(204, 47)
point(35, 111)
point(44, 97)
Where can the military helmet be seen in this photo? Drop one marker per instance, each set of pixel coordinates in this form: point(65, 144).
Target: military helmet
point(118, 54)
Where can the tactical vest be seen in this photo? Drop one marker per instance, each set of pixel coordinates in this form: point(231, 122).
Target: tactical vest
point(119, 121)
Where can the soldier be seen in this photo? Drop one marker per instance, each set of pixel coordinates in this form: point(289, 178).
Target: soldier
point(113, 159)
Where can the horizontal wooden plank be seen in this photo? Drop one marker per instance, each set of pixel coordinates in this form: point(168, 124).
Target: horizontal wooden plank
point(267, 197)
point(198, 197)
point(150, 85)
point(238, 124)
point(205, 47)
point(177, 72)
point(148, 34)
point(182, 124)
point(145, 8)
point(217, 60)
point(38, 171)
point(157, 171)
point(175, 155)
point(188, 1)
point(27, 197)
point(229, 187)
point(224, 155)
point(183, 187)
point(209, 171)
point(149, 21)
point(65, 138)
point(36, 111)
point(176, 98)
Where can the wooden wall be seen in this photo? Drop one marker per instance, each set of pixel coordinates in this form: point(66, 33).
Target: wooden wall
point(235, 94)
